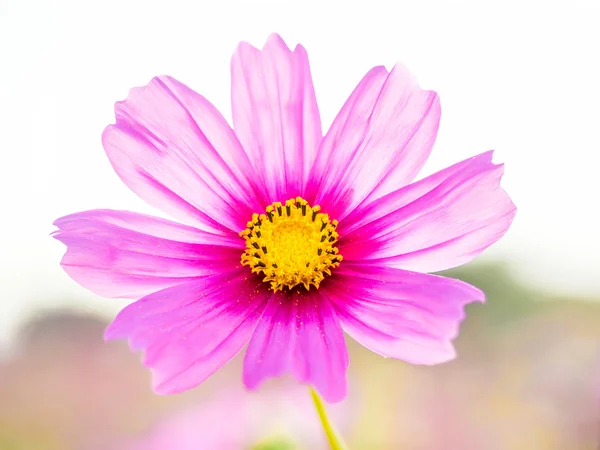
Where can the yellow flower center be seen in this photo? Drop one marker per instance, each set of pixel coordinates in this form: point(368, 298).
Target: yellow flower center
point(291, 244)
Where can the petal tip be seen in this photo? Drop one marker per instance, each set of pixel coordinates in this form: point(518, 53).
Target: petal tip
point(275, 39)
point(250, 380)
point(161, 387)
point(110, 334)
point(480, 297)
point(377, 70)
point(444, 355)
point(139, 91)
point(108, 133)
point(450, 355)
point(334, 394)
point(244, 49)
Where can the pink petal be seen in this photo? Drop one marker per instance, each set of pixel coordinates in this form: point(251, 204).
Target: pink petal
point(176, 151)
point(191, 330)
point(440, 222)
point(399, 314)
point(275, 114)
point(378, 142)
point(124, 254)
point(300, 334)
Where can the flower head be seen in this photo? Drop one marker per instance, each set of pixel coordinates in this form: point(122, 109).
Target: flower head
point(291, 238)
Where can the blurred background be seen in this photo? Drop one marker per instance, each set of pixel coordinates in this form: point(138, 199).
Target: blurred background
point(520, 77)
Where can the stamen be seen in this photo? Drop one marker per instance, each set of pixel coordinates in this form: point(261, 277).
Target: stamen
point(291, 248)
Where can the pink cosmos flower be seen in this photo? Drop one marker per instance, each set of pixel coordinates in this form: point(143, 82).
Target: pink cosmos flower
point(291, 238)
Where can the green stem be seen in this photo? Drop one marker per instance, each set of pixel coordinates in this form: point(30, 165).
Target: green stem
point(333, 437)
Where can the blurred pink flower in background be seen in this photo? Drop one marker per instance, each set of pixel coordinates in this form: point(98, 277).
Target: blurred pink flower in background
point(65, 389)
point(237, 419)
point(250, 198)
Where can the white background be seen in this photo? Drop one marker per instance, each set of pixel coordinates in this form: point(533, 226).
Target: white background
point(520, 77)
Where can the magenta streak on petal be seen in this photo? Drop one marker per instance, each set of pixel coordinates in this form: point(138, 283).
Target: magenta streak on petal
point(275, 115)
point(300, 334)
point(378, 142)
point(440, 222)
point(125, 254)
point(370, 211)
point(400, 314)
point(177, 152)
point(191, 330)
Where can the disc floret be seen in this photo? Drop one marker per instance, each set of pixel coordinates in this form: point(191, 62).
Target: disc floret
point(291, 244)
